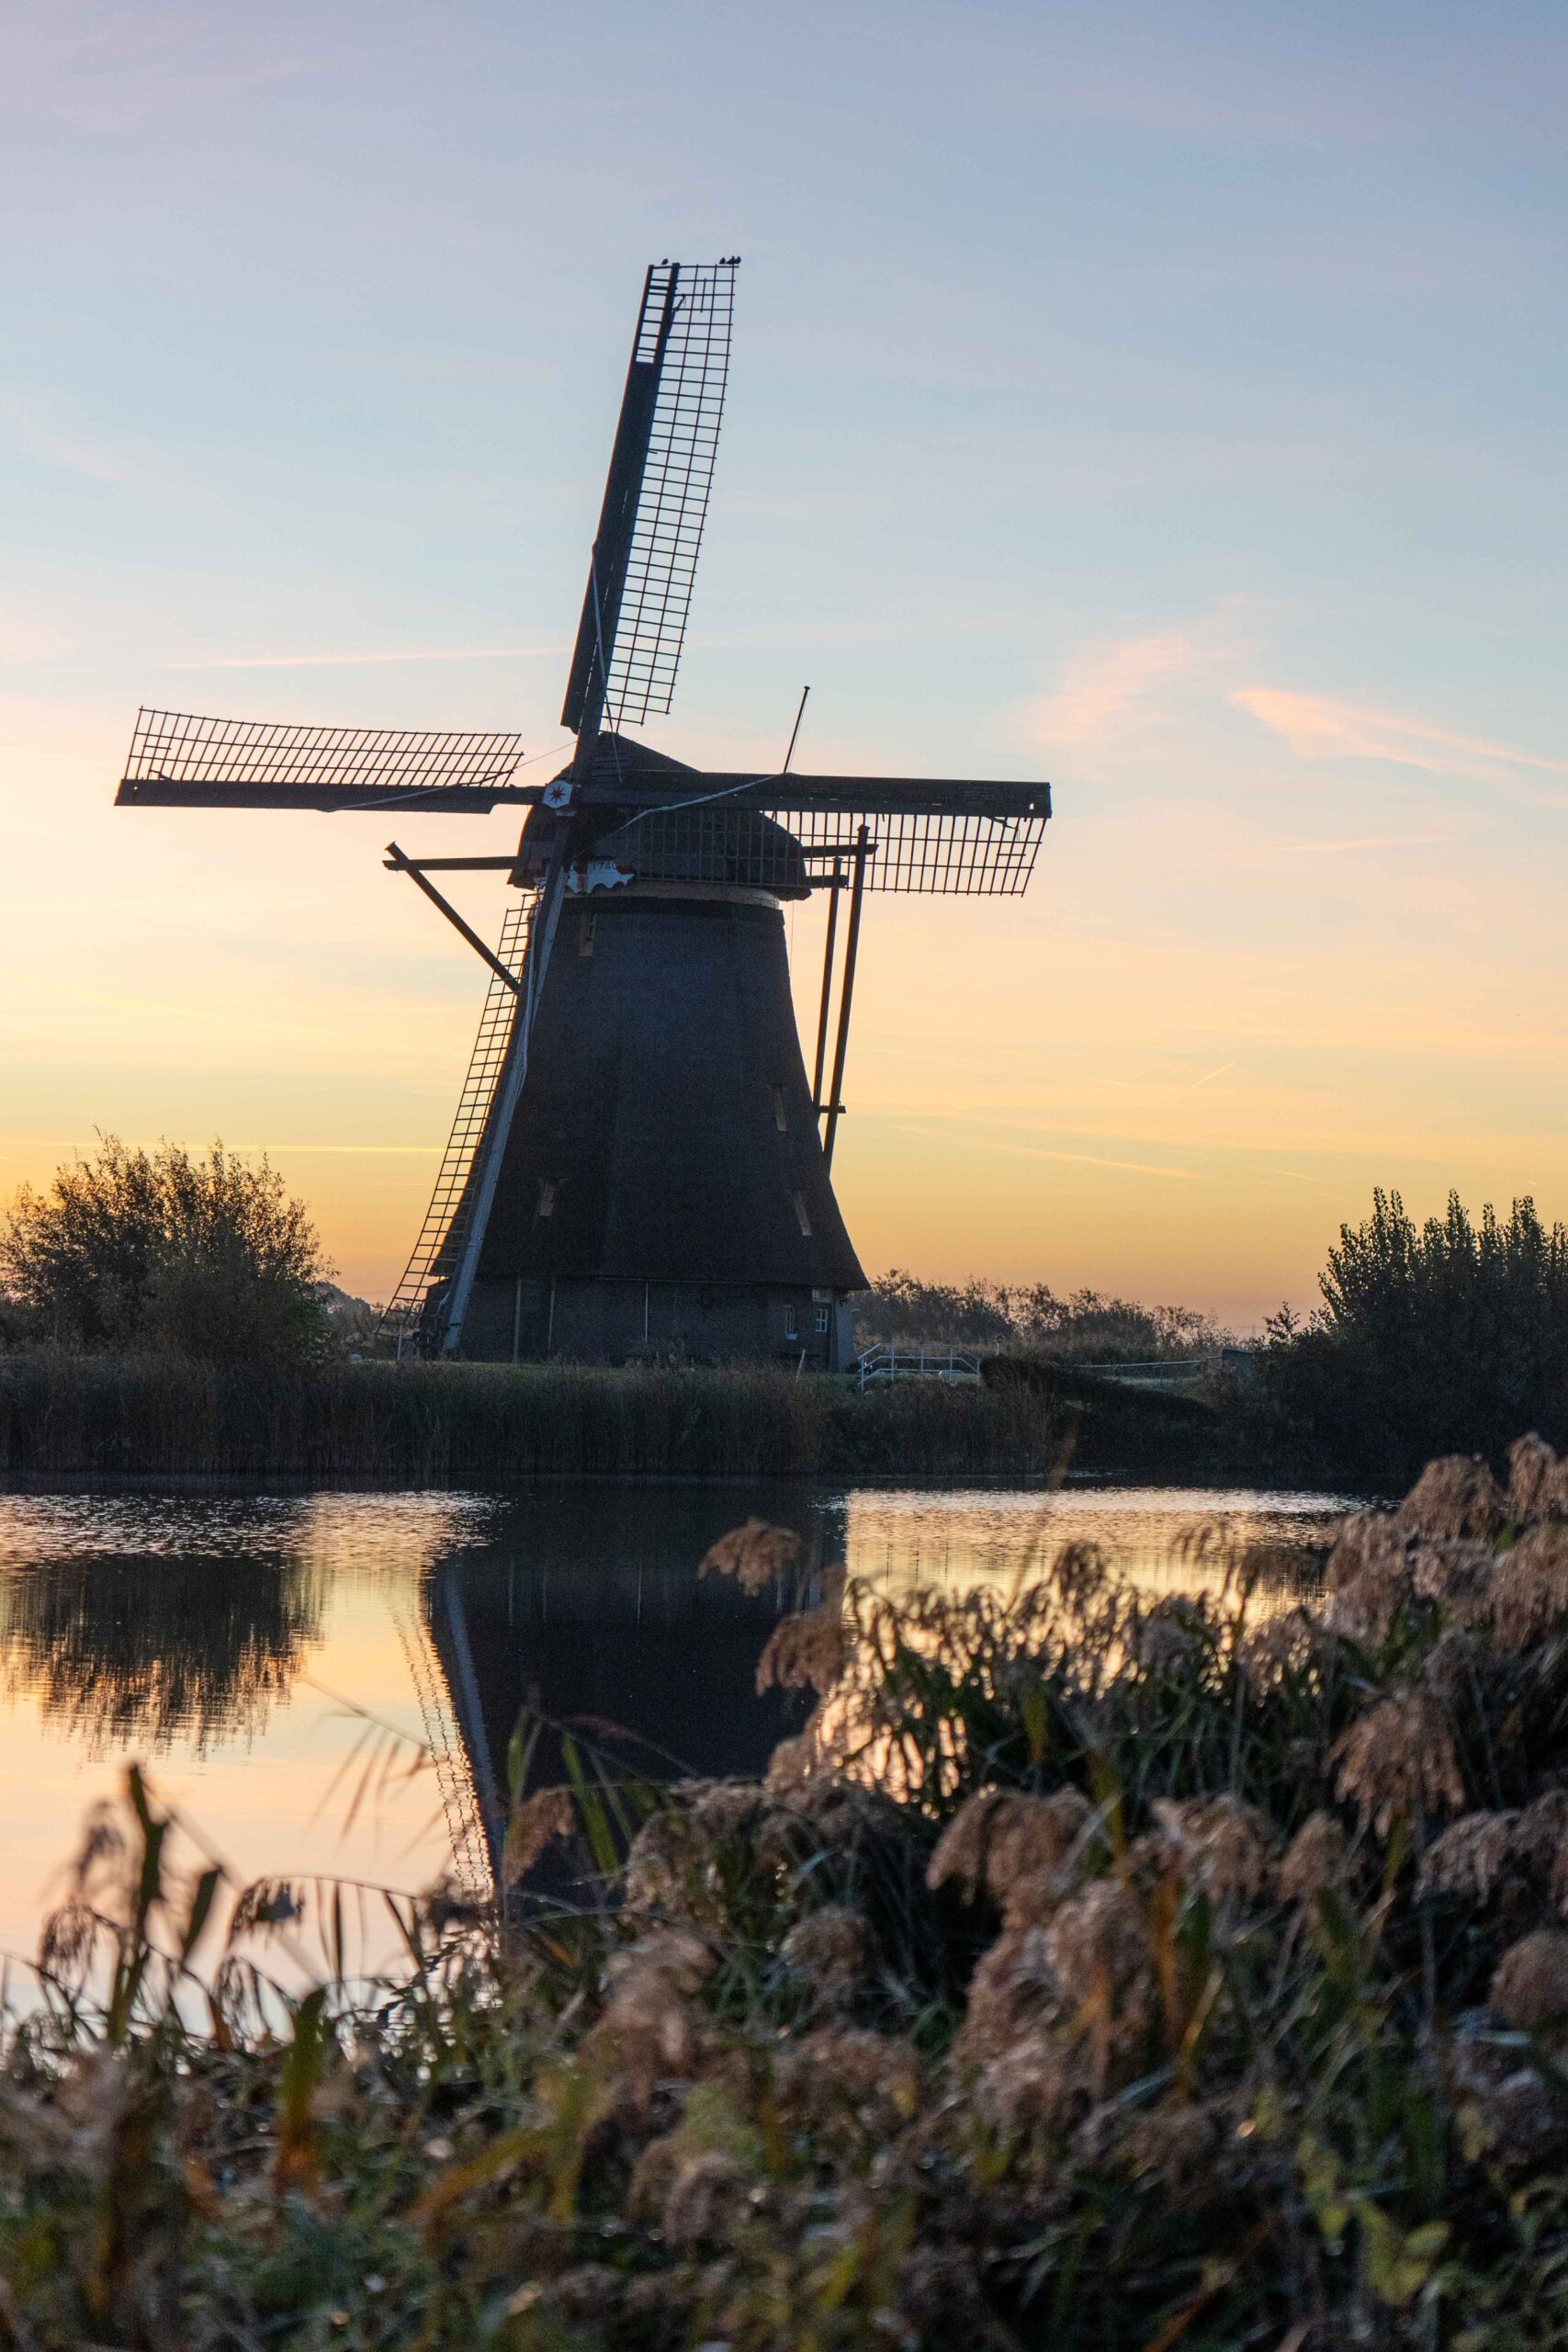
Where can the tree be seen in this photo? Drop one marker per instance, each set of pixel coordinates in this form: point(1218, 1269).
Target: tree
point(204, 1256)
point(1030, 1318)
point(1442, 1337)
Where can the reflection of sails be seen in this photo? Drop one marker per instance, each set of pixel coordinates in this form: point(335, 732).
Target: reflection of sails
point(398, 1539)
point(591, 1614)
point(142, 1651)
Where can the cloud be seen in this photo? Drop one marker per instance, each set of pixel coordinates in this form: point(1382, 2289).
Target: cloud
point(1264, 852)
point(41, 438)
point(108, 71)
point(1107, 688)
point(350, 661)
point(1038, 1151)
point(1318, 728)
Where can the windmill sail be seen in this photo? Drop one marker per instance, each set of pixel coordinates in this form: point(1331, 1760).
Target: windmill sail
point(436, 1251)
point(673, 506)
point(650, 526)
point(180, 760)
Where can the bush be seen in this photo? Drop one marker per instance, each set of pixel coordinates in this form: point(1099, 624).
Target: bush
point(1430, 1339)
point(1032, 1317)
point(203, 1258)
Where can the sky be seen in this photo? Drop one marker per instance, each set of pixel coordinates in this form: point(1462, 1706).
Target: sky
point(1166, 402)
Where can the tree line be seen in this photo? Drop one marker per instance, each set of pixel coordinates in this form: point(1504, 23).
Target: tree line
point(1448, 1335)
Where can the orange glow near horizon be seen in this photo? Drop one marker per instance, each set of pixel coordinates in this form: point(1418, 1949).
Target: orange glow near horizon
point(1169, 1071)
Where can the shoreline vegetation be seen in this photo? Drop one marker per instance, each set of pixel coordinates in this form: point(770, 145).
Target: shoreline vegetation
point(1094, 1969)
point(169, 1315)
point(68, 1414)
point(437, 1425)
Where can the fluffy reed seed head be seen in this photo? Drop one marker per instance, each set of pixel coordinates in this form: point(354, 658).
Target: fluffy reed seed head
point(807, 1651)
point(1537, 1481)
point(1034, 2086)
point(1469, 1857)
point(1098, 1947)
point(646, 2028)
point(878, 2077)
point(1529, 1989)
point(794, 1764)
point(1398, 1761)
point(724, 1809)
point(756, 1556)
point(1172, 1634)
point(1456, 1496)
point(548, 1814)
point(705, 2200)
point(664, 1863)
point(1315, 1859)
point(1529, 1585)
point(1458, 1576)
point(1013, 1847)
point(1221, 1844)
point(1367, 1576)
point(1012, 1993)
point(829, 1950)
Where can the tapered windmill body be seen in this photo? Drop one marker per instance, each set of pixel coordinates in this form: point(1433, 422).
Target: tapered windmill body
point(640, 1162)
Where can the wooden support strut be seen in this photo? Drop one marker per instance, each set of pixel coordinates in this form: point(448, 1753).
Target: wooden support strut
point(396, 860)
point(860, 852)
point(833, 890)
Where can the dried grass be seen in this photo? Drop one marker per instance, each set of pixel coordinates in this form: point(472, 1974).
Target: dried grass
point(1092, 1973)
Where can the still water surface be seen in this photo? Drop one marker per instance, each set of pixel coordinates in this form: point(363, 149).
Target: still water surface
point(240, 1645)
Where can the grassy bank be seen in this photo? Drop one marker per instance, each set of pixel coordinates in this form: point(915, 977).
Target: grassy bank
point(435, 1425)
point(1097, 1971)
point(1121, 1431)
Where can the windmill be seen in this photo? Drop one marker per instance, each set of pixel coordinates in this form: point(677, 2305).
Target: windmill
point(639, 1160)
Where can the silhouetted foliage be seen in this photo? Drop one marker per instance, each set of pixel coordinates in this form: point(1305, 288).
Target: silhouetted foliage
point(133, 1249)
point(1087, 1323)
point(139, 1652)
point(1445, 1337)
point(353, 1324)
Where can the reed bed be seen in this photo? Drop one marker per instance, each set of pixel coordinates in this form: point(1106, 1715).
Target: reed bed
point(439, 1425)
point(1092, 1971)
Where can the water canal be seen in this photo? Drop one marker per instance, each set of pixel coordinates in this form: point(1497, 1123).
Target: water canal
point(277, 1661)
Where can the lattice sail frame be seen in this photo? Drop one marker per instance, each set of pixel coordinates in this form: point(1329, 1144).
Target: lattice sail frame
point(920, 852)
point(677, 478)
point(923, 854)
point(271, 763)
point(445, 1223)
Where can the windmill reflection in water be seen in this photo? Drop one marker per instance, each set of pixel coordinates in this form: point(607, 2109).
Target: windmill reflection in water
point(204, 1635)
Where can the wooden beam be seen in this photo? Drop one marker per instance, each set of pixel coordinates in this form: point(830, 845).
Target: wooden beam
point(464, 800)
point(876, 796)
point(402, 864)
point(846, 998)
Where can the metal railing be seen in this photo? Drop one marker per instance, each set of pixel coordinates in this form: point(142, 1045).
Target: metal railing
point(1165, 1372)
point(884, 1363)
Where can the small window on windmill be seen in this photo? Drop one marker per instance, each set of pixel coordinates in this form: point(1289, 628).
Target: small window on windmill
point(824, 1317)
point(587, 927)
point(781, 1115)
point(790, 1330)
point(547, 1197)
point(802, 1214)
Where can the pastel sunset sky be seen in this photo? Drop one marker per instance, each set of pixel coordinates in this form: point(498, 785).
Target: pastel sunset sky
point(1166, 402)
